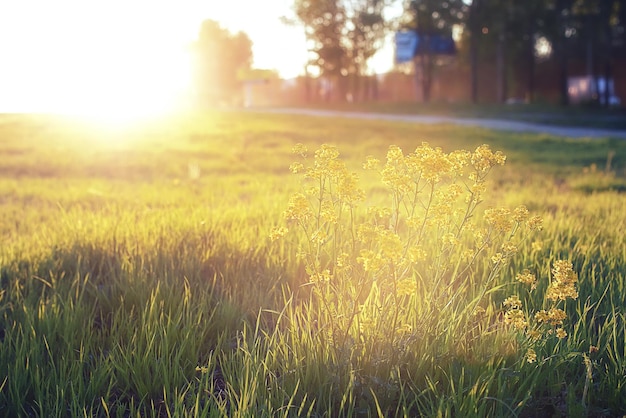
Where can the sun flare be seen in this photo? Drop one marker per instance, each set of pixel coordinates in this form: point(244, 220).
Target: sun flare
point(108, 61)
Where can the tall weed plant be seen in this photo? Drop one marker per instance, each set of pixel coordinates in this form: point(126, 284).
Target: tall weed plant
point(423, 266)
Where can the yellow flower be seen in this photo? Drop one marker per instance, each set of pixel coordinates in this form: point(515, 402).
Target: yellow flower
point(512, 302)
point(347, 188)
point(278, 232)
point(298, 208)
point(499, 218)
point(390, 245)
point(516, 318)
point(299, 149)
point(535, 223)
point(537, 246)
point(528, 278)
point(560, 333)
point(508, 248)
point(343, 260)
point(322, 277)
point(416, 254)
point(296, 167)
point(564, 280)
point(554, 316)
point(371, 163)
point(520, 214)
point(202, 369)
point(449, 239)
point(370, 261)
point(327, 212)
point(406, 287)
point(531, 356)
point(483, 158)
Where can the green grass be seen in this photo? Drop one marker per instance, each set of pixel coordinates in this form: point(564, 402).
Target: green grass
point(575, 115)
point(138, 278)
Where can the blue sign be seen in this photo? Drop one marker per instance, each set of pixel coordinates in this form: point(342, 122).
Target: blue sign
point(406, 45)
point(409, 44)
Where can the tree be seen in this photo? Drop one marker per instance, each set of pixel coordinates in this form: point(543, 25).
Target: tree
point(344, 34)
point(366, 31)
point(474, 25)
point(428, 18)
point(219, 57)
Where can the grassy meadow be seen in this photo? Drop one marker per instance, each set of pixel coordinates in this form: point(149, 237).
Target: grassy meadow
point(166, 269)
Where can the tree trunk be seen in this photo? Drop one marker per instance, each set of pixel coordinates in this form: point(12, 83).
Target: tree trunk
point(530, 51)
point(562, 54)
point(427, 70)
point(501, 68)
point(608, 51)
point(473, 51)
point(427, 79)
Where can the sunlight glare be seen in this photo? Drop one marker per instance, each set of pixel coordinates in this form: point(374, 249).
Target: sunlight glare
point(95, 60)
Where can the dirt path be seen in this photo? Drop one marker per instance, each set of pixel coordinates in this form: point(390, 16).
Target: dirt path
point(500, 125)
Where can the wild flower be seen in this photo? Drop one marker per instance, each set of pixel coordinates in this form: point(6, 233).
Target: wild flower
point(278, 233)
point(516, 317)
point(553, 316)
point(363, 262)
point(499, 219)
point(513, 302)
point(563, 284)
point(406, 287)
point(298, 208)
point(537, 246)
point(527, 278)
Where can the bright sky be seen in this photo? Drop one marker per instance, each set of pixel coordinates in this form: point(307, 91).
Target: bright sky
point(125, 56)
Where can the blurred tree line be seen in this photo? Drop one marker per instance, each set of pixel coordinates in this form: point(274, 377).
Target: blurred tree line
point(511, 39)
point(508, 35)
point(220, 59)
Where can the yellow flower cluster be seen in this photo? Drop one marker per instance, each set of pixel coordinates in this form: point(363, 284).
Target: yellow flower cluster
point(549, 321)
point(520, 214)
point(326, 162)
point(406, 287)
point(420, 234)
point(516, 318)
point(561, 333)
point(499, 218)
point(513, 302)
point(445, 200)
point(328, 212)
point(483, 158)
point(371, 163)
point(347, 187)
point(278, 233)
point(535, 223)
point(432, 163)
point(553, 316)
point(514, 314)
point(321, 277)
point(389, 247)
point(426, 163)
point(564, 280)
point(300, 149)
point(528, 278)
point(298, 208)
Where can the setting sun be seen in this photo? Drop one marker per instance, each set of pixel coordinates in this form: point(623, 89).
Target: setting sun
point(117, 60)
point(101, 59)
